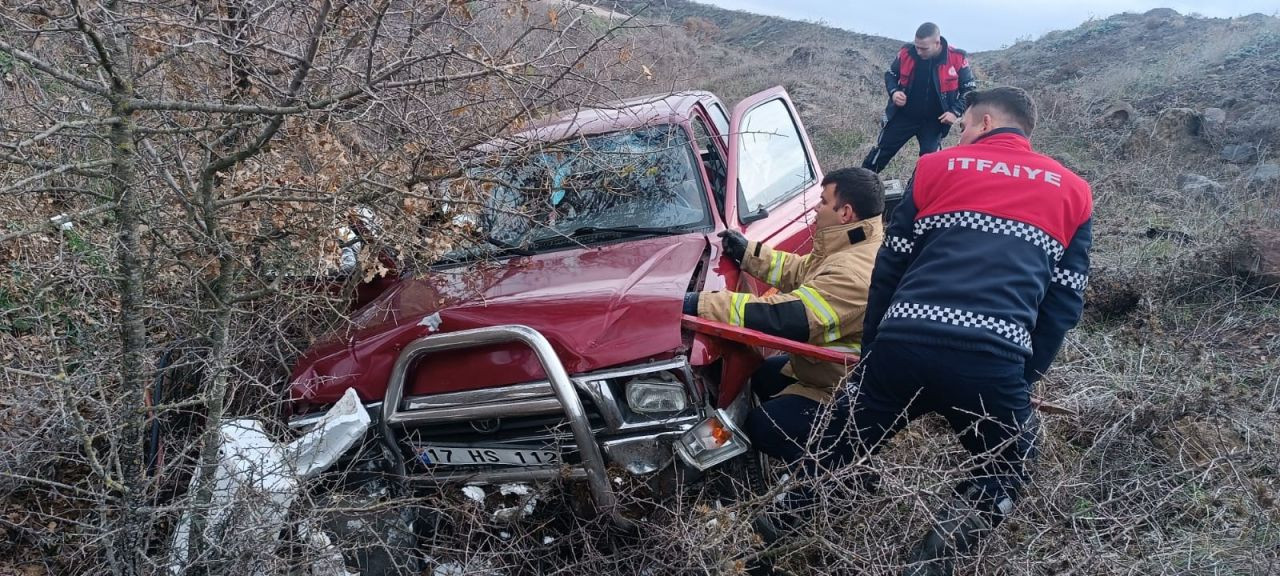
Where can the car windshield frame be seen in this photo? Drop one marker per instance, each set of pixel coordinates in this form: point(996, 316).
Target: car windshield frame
point(542, 195)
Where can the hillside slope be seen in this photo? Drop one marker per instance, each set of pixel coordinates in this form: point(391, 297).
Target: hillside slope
point(835, 76)
point(1170, 466)
point(1158, 60)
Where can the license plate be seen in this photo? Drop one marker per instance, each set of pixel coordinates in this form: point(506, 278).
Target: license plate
point(481, 456)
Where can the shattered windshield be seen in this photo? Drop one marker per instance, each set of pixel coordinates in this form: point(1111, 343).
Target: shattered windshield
point(544, 196)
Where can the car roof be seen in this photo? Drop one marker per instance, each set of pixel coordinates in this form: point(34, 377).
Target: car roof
point(628, 114)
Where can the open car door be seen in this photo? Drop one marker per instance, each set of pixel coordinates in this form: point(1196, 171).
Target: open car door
point(773, 174)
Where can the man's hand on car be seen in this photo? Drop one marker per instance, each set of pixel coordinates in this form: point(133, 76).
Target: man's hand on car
point(899, 98)
point(735, 245)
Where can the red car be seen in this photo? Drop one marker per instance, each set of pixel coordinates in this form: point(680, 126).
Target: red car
point(555, 346)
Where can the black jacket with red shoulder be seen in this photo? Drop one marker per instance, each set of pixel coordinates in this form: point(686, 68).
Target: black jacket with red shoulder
point(989, 250)
point(955, 79)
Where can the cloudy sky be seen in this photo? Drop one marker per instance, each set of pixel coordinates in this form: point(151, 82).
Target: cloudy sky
point(980, 24)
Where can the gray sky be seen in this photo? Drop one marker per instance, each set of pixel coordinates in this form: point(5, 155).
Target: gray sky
point(976, 25)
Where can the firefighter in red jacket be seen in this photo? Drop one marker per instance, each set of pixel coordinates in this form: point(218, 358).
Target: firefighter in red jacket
point(981, 275)
point(927, 83)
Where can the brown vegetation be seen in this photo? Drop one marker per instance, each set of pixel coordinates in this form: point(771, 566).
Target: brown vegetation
point(171, 174)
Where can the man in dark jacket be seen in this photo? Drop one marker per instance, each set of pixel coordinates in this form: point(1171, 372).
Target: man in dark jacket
point(981, 275)
point(927, 83)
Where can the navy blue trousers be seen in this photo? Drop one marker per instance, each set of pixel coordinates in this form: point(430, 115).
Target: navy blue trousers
point(928, 132)
point(983, 397)
point(781, 425)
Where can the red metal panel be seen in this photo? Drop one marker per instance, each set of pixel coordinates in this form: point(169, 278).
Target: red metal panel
point(600, 306)
point(757, 338)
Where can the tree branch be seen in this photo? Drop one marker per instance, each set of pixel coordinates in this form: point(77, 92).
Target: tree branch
point(58, 128)
point(52, 484)
point(269, 198)
point(269, 110)
point(49, 69)
point(56, 223)
point(192, 130)
point(40, 165)
point(73, 168)
point(118, 84)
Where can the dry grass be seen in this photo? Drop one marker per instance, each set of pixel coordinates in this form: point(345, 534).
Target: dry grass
point(1170, 468)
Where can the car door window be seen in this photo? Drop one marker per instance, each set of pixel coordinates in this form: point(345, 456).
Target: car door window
point(712, 160)
point(721, 119)
point(772, 163)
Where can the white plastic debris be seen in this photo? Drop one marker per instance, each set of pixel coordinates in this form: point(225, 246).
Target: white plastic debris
point(257, 479)
point(432, 322)
point(472, 567)
point(450, 569)
point(527, 502)
point(62, 221)
point(475, 493)
point(332, 436)
point(782, 495)
point(547, 540)
point(515, 488)
point(328, 558)
point(510, 513)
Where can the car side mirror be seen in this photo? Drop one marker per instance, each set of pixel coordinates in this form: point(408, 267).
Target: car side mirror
point(759, 214)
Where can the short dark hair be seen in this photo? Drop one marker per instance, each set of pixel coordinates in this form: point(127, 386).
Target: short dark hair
point(928, 30)
point(858, 187)
point(1012, 101)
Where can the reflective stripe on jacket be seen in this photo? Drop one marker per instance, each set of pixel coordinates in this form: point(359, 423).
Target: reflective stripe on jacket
point(988, 251)
point(822, 299)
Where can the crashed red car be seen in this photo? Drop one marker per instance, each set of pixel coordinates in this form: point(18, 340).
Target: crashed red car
point(554, 347)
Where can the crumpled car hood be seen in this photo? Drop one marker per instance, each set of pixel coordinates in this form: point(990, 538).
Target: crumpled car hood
point(599, 307)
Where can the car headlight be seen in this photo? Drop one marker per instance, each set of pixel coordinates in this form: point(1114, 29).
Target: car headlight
point(655, 396)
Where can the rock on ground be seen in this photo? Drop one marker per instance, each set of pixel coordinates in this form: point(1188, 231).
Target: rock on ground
point(1238, 154)
point(1256, 257)
point(1263, 176)
point(1197, 184)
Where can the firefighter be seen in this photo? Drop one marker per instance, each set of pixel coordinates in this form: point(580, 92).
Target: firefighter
point(821, 301)
point(981, 275)
point(927, 82)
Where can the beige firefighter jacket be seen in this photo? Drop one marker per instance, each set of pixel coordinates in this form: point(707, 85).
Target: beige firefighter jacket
point(828, 288)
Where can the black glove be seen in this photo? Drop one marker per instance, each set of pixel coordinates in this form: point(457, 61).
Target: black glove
point(735, 245)
point(691, 303)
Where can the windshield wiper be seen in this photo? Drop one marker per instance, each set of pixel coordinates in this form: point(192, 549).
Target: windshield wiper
point(631, 230)
point(476, 252)
point(582, 232)
point(508, 248)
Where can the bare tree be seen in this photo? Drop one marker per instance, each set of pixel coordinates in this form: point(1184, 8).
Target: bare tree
point(197, 157)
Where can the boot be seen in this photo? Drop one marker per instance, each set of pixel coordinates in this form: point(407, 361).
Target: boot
point(957, 531)
point(788, 513)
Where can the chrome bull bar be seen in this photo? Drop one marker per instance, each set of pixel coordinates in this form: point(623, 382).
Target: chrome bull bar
point(593, 463)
